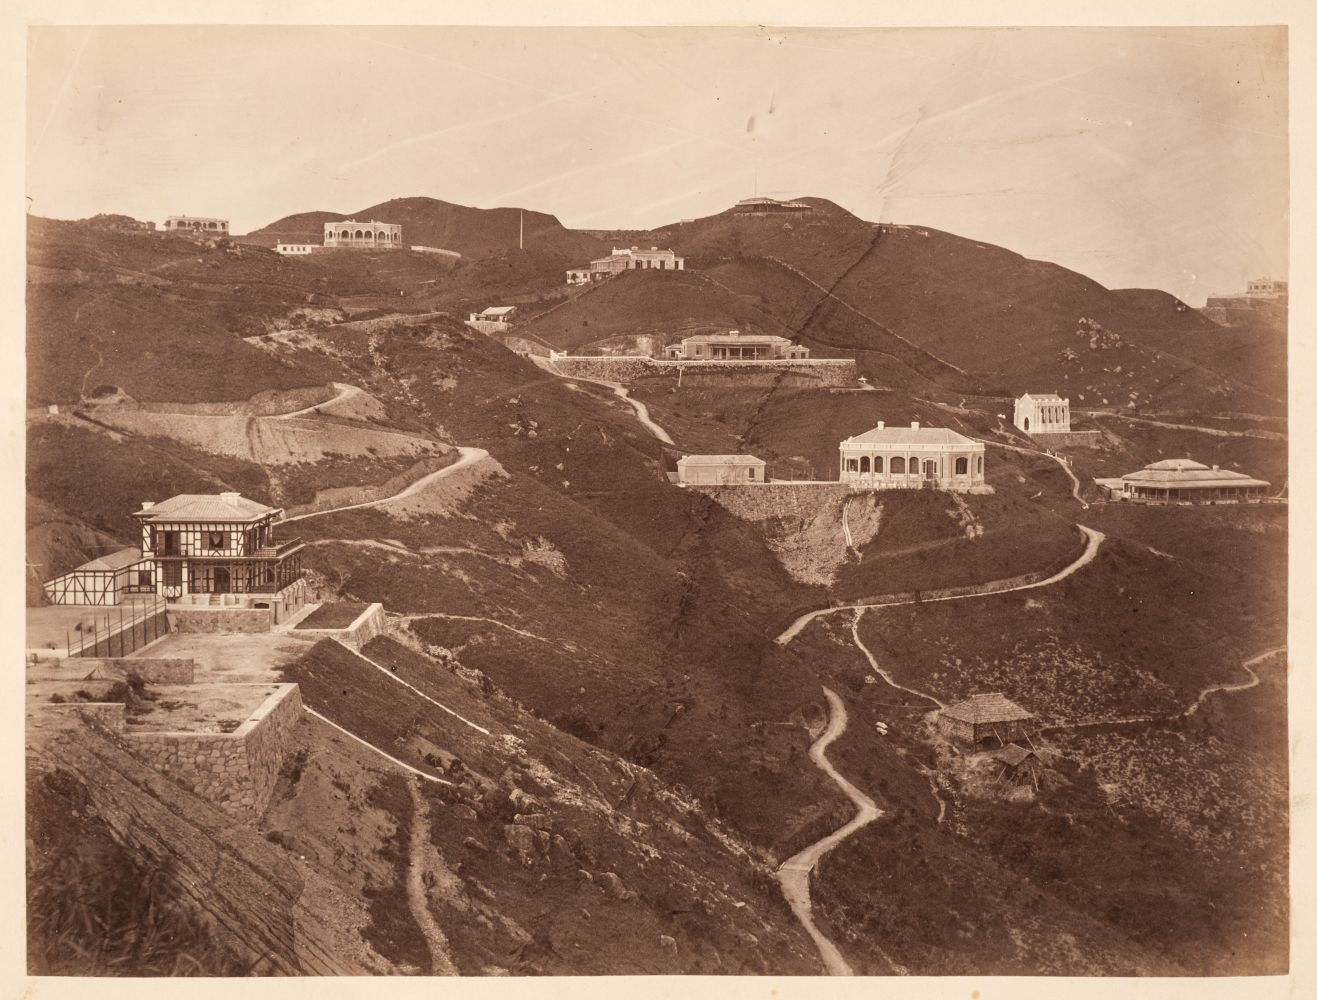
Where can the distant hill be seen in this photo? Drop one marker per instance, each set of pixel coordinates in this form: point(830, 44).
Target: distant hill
point(1012, 322)
point(472, 232)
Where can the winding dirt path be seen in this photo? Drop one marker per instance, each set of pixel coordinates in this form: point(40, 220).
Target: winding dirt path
point(420, 860)
point(793, 874)
point(469, 457)
point(415, 690)
point(344, 391)
point(1212, 431)
point(873, 663)
point(619, 390)
point(1093, 539)
point(1076, 485)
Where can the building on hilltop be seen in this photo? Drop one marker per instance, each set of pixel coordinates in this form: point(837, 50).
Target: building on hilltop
point(294, 249)
point(736, 346)
point(913, 457)
point(197, 224)
point(217, 544)
point(1268, 288)
point(1042, 413)
point(983, 717)
point(720, 470)
point(196, 544)
point(353, 235)
point(769, 206)
point(1182, 480)
point(495, 319)
point(626, 259)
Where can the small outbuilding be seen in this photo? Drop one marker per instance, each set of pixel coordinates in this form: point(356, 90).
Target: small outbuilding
point(720, 470)
point(987, 717)
point(1022, 765)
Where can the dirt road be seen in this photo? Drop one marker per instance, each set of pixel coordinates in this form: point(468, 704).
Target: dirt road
point(469, 457)
point(1093, 539)
point(344, 392)
point(619, 390)
point(794, 872)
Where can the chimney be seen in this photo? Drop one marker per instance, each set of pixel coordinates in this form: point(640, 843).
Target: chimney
point(881, 425)
point(230, 497)
point(147, 504)
point(1216, 468)
point(914, 425)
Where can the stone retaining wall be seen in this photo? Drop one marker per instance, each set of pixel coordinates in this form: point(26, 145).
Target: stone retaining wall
point(153, 670)
point(367, 626)
point(184, 619)
point(237, 771)
point(813, 371)
point(1069, 439)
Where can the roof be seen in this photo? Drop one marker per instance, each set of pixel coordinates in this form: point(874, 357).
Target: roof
point(914, 434)
point(985, 708)
point(1015, 755)
point(205, 507)
point(1044, 397)
point(720, 460)
point(1188, 474)
point(114, 561)
point(736, 338)
point(498, 310)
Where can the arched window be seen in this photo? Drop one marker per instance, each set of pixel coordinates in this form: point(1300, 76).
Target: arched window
point(359, 235)
point(979, 463)
point(878, 464)
point(864, 464)
point(898, 466)
point(962, 466)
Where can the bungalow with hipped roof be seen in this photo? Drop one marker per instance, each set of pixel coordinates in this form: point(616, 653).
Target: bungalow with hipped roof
point(990, 716)
point(1182, 480)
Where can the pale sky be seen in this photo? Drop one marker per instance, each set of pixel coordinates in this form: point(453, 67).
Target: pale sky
point(1140, 157)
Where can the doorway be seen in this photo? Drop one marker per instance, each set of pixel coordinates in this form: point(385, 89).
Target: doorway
point(221, 577)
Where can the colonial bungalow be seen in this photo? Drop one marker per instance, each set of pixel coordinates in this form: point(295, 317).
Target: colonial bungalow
point(1182, 480)
point(720, 470)
point(1042, 413)
point(295, 249)
point(627, 259)
point(768, 206)
point(197, 224)
point(217, 544)
point(735, 346)
point(912, 457)
point(987, 717)
point(353, 235)
point(103, 581)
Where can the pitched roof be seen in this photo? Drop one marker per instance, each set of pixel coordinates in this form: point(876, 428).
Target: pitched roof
point(205, 507)
point(736, 338)
point(498, 310)
point(720, 460)
point(1186, 473)
point(986, 708)
point(913, 434)
point(114, 561)
point(1044, 397)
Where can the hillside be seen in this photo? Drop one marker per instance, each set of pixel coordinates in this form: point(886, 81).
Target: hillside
point(472, 232)
point(653, 665)
point(1014, 322)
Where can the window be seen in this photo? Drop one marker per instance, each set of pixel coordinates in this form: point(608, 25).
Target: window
point(878, 464)
point(215, 541)
point(962, 466)
point(898, 466)
point(978, 462)
point(852, 465)
point(752, 473)
point(864, 464)
point(144, 578)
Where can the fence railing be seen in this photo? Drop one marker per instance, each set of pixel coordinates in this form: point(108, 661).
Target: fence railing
point(117, 631)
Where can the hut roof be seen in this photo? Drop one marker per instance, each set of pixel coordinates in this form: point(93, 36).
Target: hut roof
point(978, 709)
point(115, 560)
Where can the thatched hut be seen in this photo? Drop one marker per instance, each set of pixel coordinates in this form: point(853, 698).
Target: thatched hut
point(986, 717)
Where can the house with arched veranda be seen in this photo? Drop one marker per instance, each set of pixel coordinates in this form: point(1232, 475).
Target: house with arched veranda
point(913, 457)
point(353, 235)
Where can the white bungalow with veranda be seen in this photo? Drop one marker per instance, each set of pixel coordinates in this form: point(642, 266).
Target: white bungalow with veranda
point(914, 457)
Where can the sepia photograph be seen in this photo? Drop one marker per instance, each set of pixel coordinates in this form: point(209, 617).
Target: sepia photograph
point(728, 500)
